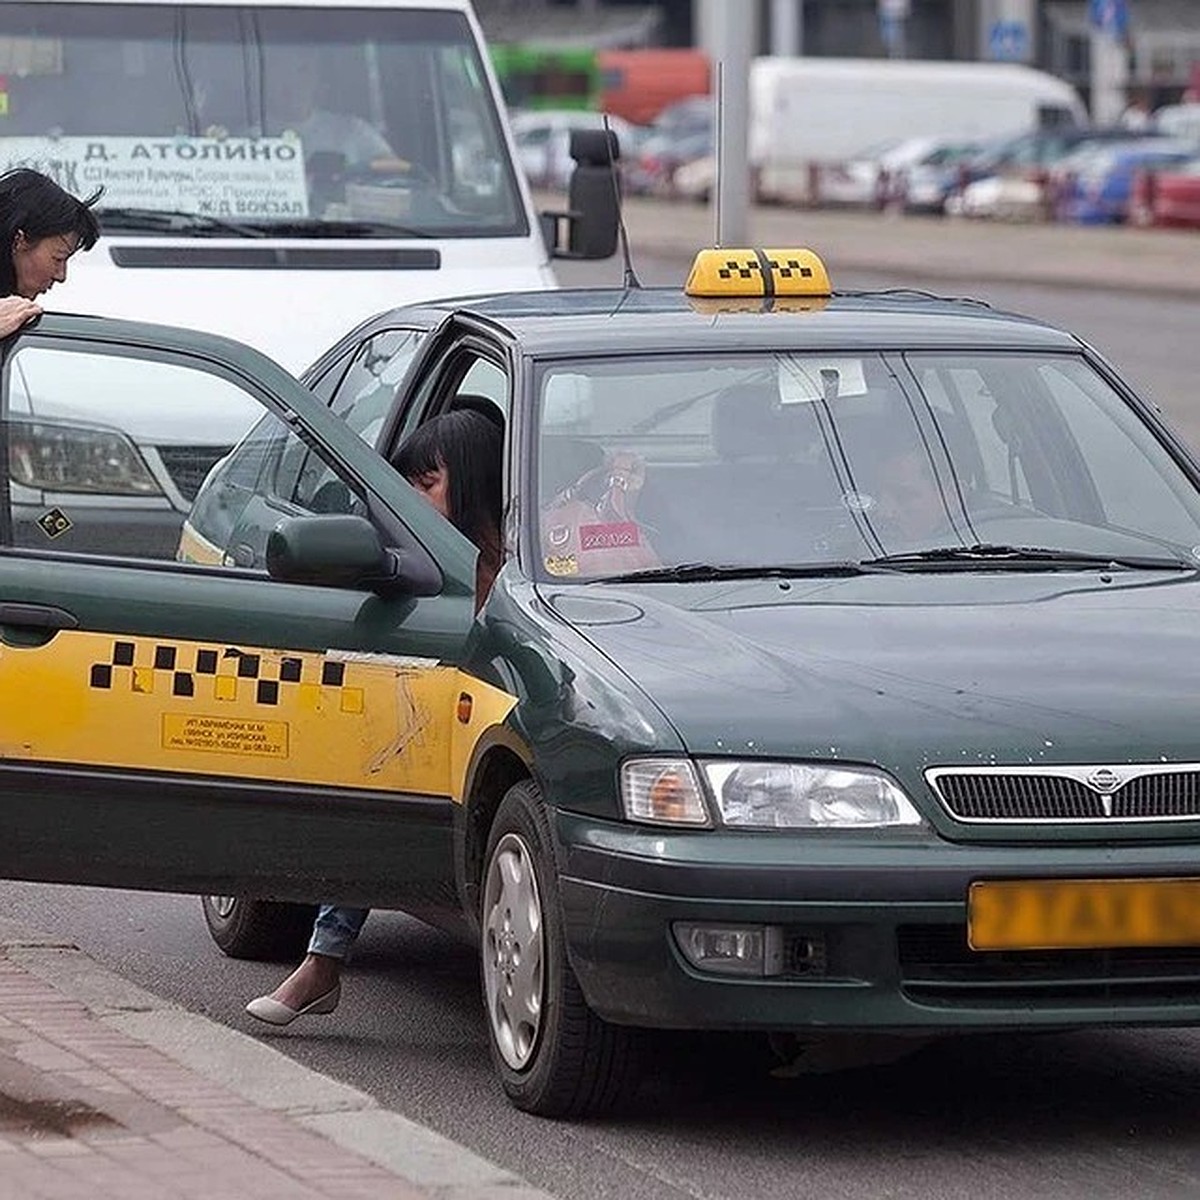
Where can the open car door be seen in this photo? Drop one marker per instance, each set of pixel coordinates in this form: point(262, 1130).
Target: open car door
point(277, 728)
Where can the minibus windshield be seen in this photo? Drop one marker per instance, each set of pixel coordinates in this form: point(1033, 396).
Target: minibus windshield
point(246, 120)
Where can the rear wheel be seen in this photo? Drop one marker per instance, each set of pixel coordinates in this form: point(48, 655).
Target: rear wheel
point(555, 1057)
point(260, 929)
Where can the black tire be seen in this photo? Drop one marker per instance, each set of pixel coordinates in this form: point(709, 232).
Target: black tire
point(572, 1063)
point(258, 929)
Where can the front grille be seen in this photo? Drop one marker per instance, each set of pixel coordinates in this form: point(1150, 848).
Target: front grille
point(936, 964)
point(189, 465)
point(1063, 795)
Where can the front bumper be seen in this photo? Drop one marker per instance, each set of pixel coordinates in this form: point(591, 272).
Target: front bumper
point(874, 933)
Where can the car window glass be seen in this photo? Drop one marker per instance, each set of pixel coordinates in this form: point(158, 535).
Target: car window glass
point(323, 387)
point(106, 451)
point(1119, 455)
point(148, 457)
point(765, 460)
point(960, 393)
point(740, 460)
point(1065, 460)
point(365, 395)
point(485, 379)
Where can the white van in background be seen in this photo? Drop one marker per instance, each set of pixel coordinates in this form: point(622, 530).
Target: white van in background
point(273, 170)
point(806, 113)
point(277, 170)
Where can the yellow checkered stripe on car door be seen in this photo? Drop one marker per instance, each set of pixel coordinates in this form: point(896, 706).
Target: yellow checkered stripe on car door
point(337, 718)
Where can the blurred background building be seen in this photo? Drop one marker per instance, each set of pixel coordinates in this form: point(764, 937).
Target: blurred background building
point(1161, 38)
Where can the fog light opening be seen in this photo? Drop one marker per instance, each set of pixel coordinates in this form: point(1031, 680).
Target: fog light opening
point(804, 954)
point(746, 950)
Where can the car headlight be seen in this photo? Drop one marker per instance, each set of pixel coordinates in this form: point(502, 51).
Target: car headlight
point(802, 796)
point(76, 458)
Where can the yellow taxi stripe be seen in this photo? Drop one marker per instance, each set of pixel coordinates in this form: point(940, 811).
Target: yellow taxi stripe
point(336, 718)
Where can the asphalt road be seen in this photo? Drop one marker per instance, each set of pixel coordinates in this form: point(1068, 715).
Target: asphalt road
point(1095, 1114)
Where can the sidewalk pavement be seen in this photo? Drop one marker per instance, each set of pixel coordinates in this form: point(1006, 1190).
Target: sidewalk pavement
point(1111, 259)
point(107, 1092)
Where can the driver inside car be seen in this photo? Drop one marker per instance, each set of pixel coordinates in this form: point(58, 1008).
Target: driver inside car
point(910, 503)
point(294, 90)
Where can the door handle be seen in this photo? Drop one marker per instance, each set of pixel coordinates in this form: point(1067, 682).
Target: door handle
point(37, 616)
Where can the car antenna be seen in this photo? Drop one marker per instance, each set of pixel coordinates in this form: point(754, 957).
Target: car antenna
point(630, 279)
point(719, 155)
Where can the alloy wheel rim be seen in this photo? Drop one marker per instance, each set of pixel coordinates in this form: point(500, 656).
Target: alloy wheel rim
point(223, 906)
point(513, 949)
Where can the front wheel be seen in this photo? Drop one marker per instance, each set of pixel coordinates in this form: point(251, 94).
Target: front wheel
point(555, 1057)
point(259, 929)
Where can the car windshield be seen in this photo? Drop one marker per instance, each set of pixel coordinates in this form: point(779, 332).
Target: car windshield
point(300, 121)
point(812, 461)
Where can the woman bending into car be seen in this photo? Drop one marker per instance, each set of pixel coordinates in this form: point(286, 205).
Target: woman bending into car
point(454, 461)
point(41, 226)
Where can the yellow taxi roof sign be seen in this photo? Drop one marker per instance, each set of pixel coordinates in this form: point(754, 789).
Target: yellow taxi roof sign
point(754, 272)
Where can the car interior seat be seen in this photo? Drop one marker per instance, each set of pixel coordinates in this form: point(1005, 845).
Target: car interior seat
point(480, 404)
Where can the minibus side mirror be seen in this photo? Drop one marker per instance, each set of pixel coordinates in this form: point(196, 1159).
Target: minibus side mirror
point(588, 227)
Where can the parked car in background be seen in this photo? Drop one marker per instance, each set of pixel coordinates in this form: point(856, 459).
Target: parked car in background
point(925, 184)
point(878, 176)
point(543, 139)
point(1167, 197)
point(683, 133)
point(1018, 163)
point(1178, 120)
point(1018, 179)
point(1098, 192)
point(907, 169)
point(999, 198)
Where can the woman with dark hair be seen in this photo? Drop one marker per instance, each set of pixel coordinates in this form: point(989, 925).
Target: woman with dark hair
point(41, 226)
point(455, 461)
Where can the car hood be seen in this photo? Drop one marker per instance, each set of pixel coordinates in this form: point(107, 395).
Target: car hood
point(294, 314)
point(921, 670)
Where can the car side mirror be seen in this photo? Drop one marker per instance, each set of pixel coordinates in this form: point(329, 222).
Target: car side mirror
point(342, 550)
point(588, 228)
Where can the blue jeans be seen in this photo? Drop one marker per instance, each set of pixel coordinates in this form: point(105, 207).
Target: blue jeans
point(335, 930)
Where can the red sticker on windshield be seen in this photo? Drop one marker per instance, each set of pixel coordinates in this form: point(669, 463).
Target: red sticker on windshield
point(609, 537)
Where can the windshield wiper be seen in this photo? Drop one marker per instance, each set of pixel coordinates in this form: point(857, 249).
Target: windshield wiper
point(698, 572)
point(161, 220)
point(1028, 557)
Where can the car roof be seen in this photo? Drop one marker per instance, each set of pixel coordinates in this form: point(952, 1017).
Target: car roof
point(590, 321)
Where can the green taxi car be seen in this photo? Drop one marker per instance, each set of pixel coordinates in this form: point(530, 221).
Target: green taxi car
point(841, 674)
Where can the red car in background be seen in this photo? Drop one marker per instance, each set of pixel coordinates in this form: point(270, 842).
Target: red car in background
point(1169, 196)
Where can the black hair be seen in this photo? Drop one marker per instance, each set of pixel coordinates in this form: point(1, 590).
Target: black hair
point(470, 447)
point(34, 205)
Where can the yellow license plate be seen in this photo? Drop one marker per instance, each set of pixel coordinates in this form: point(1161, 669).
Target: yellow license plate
point(1074, 914)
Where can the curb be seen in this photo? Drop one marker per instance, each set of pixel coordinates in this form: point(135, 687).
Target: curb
point(263, 1076)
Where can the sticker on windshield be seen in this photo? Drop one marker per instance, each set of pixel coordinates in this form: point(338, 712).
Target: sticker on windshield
point(562, 564)
point(609, 536)
point(805, 380)
point(206, 176)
